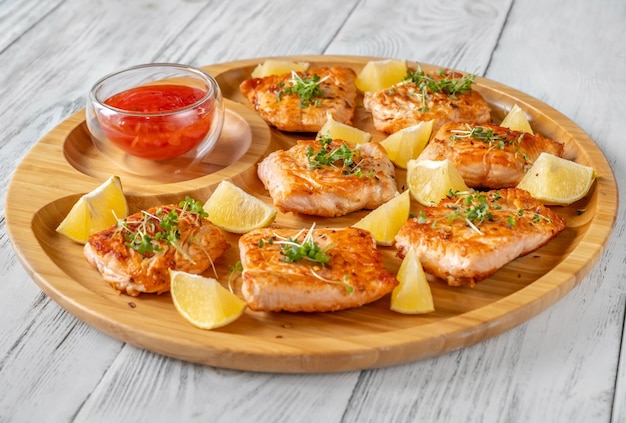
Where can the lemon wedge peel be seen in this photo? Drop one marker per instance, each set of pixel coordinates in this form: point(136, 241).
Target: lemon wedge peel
point(385, 221)
point(95, 211)
point(429, 181)
point(341, 131)
point(378, 75)
point(203, 301)
point(554, 180)
point(412, 295)
point(234, 210)
point(278, 67)
point(516, 119)
point(407, 144)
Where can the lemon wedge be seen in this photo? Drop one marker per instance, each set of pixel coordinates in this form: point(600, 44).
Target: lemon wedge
point(412, 295)
point(377, 75)
point(234, 210)
point(95, 211)
point(516, 120)
point(204, 302)
point(386, 220)
point(341, 131)
point(429, 181)
point(278, 67)
point(407, 143)
point(557, 181)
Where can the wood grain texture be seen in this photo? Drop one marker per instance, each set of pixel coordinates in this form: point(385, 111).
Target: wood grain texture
point(557, 347)
point(560, 366)
point(373, 336)
point(207, 394)
point(457, 34)
point(591, 323)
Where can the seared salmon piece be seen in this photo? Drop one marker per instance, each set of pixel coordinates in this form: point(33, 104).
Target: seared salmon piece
point(323, 91)
point(467, 238)
point(145, 268)
point(307, 179)
point(351, 275)
point(487, 155)
point(426, 98)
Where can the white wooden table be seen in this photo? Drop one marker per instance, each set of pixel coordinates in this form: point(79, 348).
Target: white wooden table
point(565, 365)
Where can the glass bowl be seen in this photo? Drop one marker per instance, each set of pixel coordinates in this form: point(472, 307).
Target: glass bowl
point(155, 118)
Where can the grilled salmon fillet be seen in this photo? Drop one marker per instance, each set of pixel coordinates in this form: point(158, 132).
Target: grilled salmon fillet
point(466, 239)
point(412, 101)
point(324, 91)
point(487, 155)
point(352, 276)
point(298, 181)
point(145, 268)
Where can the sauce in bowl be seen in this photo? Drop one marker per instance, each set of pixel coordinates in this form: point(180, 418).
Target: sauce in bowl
point(159, 122)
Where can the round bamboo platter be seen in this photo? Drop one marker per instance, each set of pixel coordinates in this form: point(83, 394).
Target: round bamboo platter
point(64, 164)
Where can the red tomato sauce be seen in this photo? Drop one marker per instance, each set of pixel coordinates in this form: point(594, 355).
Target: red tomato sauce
point(159, 137)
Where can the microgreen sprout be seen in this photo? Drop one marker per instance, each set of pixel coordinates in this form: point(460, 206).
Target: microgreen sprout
point(342, 157)
point(232, 269)
point(307, 88)
point(147, 235)
point(447, 84)
point(488, 136)
point(477, 207)
point(344, 282)
point(307, 250)
point(294, 251)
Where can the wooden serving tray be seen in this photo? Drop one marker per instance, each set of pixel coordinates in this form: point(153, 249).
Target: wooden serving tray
point(64, 164)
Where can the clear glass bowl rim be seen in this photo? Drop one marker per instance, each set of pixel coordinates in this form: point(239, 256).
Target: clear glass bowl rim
point(211, 83)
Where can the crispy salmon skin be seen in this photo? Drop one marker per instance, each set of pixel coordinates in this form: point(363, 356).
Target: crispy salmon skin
point(469, 237)
point(443, 96)
point(487, 155)
point(352, 275)
point(134, 259)
point(307, 179)
point(302, 101)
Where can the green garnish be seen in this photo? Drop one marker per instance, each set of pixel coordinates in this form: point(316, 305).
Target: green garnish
point(479, 133)
point(344, 282)
point(447, 84)
point(452, 194)
point(539, 217)
point(486, 135)
point(518, 151)
point(422, 218)
point(342, 157)
point(294, 251)
point(237, 267)
point(232, 269)
point(307, 88)
point(476, 207)
point(147, 234)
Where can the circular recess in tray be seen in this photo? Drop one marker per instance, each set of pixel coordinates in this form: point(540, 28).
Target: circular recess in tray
point(242, 130)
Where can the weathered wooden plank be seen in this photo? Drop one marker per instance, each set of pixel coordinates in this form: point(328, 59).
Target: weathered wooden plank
point(40, 345)
point(575, 65)
point(200, 393)
point(558, 366)
point(554, 368)
point(227, 31)
point(18, 18)
point(457, 34)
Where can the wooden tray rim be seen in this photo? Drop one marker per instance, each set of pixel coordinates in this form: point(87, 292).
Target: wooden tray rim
point(378, 350)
